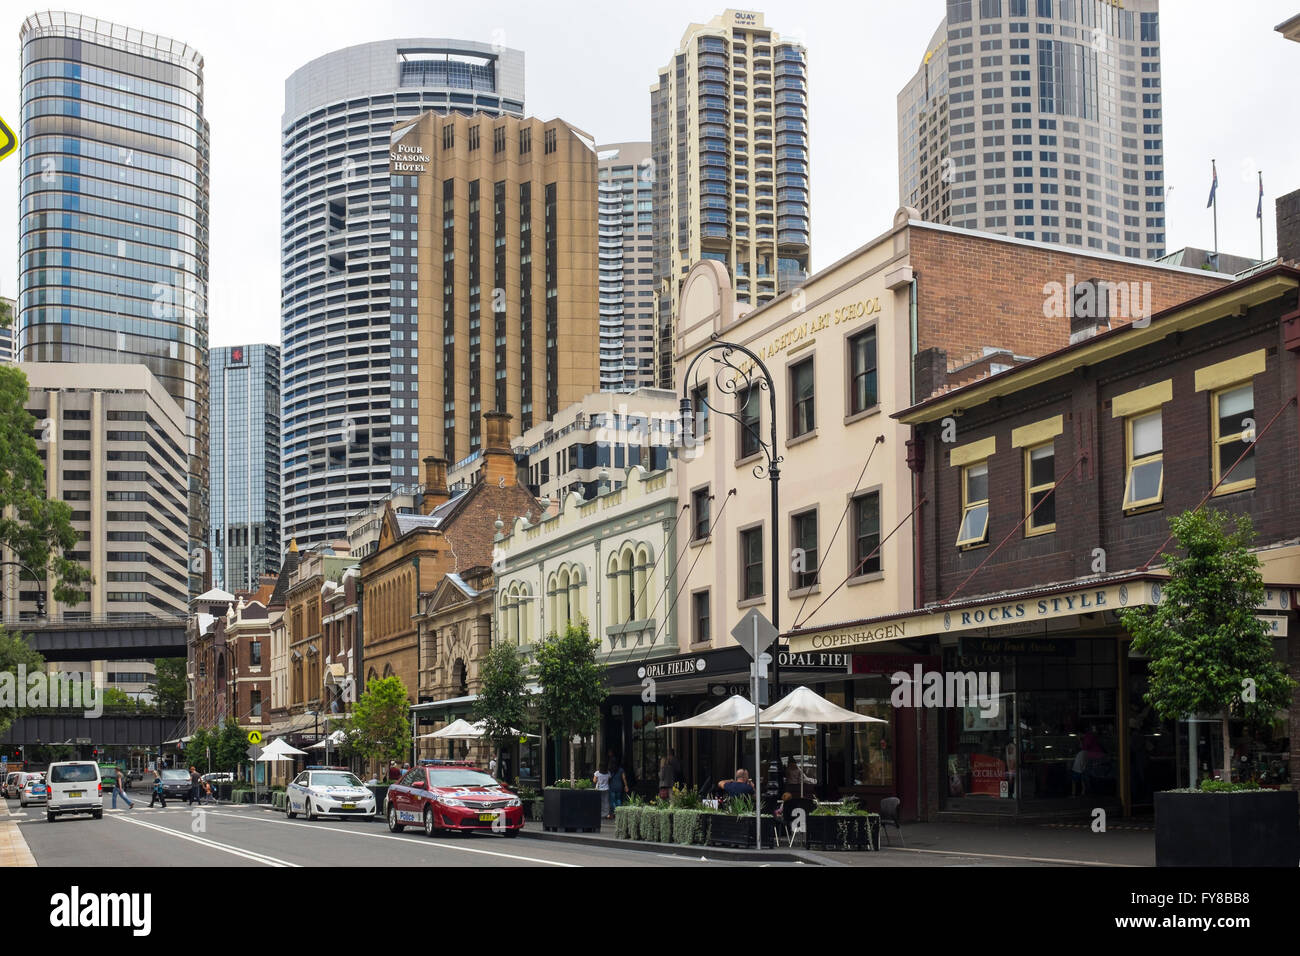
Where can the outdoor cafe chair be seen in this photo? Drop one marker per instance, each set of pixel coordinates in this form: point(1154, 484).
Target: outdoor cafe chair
point(889, 816)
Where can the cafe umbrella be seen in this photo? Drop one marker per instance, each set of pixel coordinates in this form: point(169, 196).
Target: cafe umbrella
point(736, 714)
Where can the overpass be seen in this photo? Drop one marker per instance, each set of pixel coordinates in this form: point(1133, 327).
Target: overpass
point(97, 639)
point(137, 731)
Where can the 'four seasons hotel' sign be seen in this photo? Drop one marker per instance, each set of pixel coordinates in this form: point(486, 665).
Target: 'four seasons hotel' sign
point(406, 158)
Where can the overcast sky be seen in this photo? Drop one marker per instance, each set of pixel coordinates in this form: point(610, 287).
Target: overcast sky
point(1229, 93)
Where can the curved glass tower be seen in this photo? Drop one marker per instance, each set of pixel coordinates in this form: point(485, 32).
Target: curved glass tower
point(339, 110)
point(113, 234)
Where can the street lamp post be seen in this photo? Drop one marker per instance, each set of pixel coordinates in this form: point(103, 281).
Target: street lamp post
point(731, 375)
point(40, 590)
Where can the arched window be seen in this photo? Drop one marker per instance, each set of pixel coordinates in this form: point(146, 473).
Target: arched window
point(524, 614)
point(626, 562)
point(507, 609)
point(642, 578)
point(562, 600)
point(611, 591)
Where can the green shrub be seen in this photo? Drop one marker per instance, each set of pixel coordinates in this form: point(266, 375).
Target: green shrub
point(634, 814)
point(690, 827)
point(683, 798)
point(1223, 786)
point(622, 818)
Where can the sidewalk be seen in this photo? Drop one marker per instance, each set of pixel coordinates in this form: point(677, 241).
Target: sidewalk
point(13, 848)
point(930, 844)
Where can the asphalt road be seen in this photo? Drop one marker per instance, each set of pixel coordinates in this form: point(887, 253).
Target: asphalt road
point(228, 835)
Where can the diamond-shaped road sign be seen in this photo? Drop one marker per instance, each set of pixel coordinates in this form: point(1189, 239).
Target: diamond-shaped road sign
point(754, 632)
point(253, 751)
point(8, 141)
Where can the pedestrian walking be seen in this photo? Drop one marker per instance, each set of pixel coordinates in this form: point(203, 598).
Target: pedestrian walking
point(159, 794)
point(601, 779)
point(665, 778)
point(196, 783)
point(119, 786)
point(617, 786)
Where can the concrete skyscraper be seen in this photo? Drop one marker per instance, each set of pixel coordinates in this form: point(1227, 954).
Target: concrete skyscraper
point(339, 112)
point(729, 141)
point(245, 535)
point(114, 215)
point(1040, 119)
point(494, 279)
point(625, 231)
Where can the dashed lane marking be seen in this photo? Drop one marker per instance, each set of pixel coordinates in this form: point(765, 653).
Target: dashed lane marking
point(211, 844)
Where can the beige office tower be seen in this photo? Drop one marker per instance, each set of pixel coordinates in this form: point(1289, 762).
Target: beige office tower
point(113, 444)
point(492, 279)
point(1041, 120)
point(729, 141)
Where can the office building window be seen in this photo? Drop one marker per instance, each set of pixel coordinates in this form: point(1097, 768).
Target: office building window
point(1040, 477)
point(866, 534)
point(862, 371)
point(700, 513)
point(803, 418)
point(751, 557)
point(1145, 465)
point(749, 401)
point(1233, 416)
point(974, 528)
point(700, 616)
point(803, 531)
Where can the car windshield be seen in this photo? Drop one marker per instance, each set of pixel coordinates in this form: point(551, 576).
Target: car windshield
point(74, 773)
point(334, 780)
point(175, 775)
point(461, 778)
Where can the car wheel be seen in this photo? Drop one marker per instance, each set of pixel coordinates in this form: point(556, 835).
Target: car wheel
point(429, 829)
point(308, 810)
point(49, 816)
point(22, 804)
point(393, 825)
point(98, 814)
point(288, 809)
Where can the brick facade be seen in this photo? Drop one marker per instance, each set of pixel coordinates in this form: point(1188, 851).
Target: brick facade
point(955, 268)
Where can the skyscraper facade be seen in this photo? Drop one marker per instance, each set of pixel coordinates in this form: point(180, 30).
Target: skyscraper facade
point(1040, 119)
point(625, 231)
point(335, 319)
point(729, 141)
point(113, 225)
point(493, 279)
point(245, 536)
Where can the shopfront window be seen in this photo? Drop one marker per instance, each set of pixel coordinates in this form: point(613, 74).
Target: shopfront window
point(873, 744)
point(648, 744)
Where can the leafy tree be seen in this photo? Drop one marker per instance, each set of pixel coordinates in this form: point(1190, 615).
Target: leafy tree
point(6, 315)
point(1208, 651)
point(381, 721)
point(169, 684)
point(15, 650)
point(196, 750)
point(117, 698)
point(230, 750)
point(37, 529)
point(502, 704)
point(572, 683)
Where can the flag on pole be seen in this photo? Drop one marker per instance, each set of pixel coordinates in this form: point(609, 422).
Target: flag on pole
point(1259, 207)
point(1214, 185)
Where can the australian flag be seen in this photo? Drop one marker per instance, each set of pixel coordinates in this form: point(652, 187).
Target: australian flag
point(1214, 185)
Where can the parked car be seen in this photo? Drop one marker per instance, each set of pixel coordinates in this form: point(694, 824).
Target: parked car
point(453, 798)
point(320, 792)
point(176, 784)
point(74, 787)
point(10, 786)
point(34, 790)
point(216, 778)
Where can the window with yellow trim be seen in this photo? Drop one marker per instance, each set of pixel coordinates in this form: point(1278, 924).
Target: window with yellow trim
point(1232, 412)
point(974, 529)
point(1040, 480)
point(1144, 485)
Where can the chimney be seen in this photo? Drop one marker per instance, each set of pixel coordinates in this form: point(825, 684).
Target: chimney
point(435, 484)
point(931, 370)
point(498, 459)
point(1288, 227)
point(1090, 303)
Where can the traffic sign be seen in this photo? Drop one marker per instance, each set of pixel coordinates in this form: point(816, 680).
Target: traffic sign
point(253, 752)
point(755, 632)
point(8, 141)
point(254, 736)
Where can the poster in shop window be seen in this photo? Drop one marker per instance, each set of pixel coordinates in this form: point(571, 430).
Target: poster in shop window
point(987, 775)
point(975, 721)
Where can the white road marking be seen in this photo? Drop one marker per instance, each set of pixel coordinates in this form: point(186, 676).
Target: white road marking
point(393, 836)
point(1004, 856)
point(213, 844)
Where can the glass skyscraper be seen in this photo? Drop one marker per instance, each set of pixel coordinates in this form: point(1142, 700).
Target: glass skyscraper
point(625, 226)
point(1042, 120)
point(113, 227)
point(245, 454)
point(339, 112)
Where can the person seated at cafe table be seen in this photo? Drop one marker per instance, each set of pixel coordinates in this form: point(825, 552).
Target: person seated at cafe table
point(740, 787)
point(794, 773)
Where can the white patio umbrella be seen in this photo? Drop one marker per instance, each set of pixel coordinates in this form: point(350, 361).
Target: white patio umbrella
point(736, 713)
point(458, 729)
point(804, 706)
point(280, 748)
point(333, 740)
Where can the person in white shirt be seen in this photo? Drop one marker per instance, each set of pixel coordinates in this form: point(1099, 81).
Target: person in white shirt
point(601, 779)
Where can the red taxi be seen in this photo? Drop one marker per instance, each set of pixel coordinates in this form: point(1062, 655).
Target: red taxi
point(449, 797)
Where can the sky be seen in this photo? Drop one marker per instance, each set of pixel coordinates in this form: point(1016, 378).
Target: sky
point(1228, 83)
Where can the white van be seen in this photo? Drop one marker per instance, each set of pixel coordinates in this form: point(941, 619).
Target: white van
point(75, 787)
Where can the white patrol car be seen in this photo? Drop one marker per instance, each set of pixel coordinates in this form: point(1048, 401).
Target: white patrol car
point(328, 791)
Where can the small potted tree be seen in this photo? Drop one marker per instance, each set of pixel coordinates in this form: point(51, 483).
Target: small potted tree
point(378, 727)
point(502, 705)
point(1210, 654)
point(572, 691)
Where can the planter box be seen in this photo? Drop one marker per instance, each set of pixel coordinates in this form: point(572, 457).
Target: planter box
point(726, 830)
point(570, 810)
point(850, 832)
point(656, 826)
point(223, 789)
point(1246, 828)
